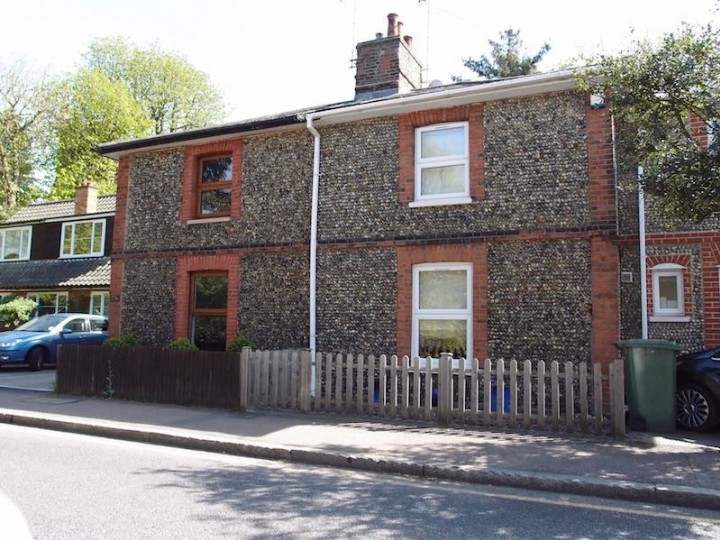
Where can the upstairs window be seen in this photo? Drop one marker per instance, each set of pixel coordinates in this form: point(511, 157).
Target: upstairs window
point(441, 163)
point(214, 187)
point(668, 290)
point(83, 239)
point(442, 310)
point(15, 244)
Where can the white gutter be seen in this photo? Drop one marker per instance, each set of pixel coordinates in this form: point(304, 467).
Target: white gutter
point(313, 233)
point(505, 89)
point(643, 264)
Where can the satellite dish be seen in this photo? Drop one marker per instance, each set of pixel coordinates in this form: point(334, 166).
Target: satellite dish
point(435, 83)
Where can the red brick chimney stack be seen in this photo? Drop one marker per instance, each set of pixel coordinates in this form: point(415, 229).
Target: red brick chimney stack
point(386, 65)
point(86, 197)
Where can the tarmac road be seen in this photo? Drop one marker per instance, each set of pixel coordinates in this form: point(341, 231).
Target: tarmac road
point(22, 378)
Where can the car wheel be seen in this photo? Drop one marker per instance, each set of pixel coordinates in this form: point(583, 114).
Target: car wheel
point(37, 358)
point(696, 408)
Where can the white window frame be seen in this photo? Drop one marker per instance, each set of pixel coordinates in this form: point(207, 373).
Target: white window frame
point(713, 127)
point(661, 314)
point(104, 302)
point(420, 164)
point(72, 225)
point(35, 296)
point(3, 234)
point(448, 314)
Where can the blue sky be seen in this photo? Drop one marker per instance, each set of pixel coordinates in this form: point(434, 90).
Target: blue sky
point(269, 56)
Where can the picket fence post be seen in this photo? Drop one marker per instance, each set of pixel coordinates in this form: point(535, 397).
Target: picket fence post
point(244, 372)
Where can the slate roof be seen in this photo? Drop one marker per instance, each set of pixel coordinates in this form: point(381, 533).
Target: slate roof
point(54, 273)
point(58, 209)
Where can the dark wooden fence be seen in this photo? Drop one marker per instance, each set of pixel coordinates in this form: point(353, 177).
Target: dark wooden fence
point(148, 374)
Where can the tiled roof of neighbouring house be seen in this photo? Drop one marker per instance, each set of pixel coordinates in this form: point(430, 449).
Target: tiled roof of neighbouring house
point(58, 209)
point(20, 275)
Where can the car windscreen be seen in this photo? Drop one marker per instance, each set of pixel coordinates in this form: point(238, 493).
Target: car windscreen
point(42, 324)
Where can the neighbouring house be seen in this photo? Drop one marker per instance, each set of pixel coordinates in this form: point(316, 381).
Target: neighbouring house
point(479, 218)
point(57, 253)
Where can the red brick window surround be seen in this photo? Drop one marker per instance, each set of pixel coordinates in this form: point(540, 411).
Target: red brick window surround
point(448, 124)
point(669, 289)
point(189, 269)
point(212, 181)
point(453, 259)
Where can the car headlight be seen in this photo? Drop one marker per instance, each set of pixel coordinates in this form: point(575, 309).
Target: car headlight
point(11, 343)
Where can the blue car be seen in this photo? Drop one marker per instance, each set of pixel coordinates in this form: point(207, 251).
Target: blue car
point(35, 342)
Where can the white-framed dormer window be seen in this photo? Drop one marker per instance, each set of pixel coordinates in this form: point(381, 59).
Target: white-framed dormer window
point(83, 239)
point(442, 310)
point(99, 303)
point(15, 244)
point(441, 165)
point(668, 288)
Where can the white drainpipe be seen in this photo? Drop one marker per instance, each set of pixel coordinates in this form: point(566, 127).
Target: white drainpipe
point(643, 264)
point(313, 234)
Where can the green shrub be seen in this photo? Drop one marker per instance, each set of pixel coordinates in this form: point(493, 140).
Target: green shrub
point(181, 344)
point(128, 340)
point(15, 312)
point(237, 344)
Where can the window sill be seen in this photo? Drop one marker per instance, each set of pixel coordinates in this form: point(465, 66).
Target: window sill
point(441, 202)
point(669, 318)
point(82, 256)
point(208, 220)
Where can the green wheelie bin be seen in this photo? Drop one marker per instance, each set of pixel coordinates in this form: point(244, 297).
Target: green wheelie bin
point(650, 383)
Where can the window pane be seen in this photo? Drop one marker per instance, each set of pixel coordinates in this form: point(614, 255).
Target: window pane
point(67, 239)
point(442, 142)
point(62, 303)
point(443, 289)
point(439, 180)
point(11, 249)
point(99, 303)
point(216, 170)
point(83, 238)
point(211, 292)
point(208, 333)
point(97, 237)
point(215, 202)
point(439, 336)
point(668, 292)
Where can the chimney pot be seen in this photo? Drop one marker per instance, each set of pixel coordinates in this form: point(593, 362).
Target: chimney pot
point(378, 35)
point(400, 28)
point(408, 41)
point(392, 24)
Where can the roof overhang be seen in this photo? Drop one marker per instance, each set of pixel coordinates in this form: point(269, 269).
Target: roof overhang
point(350, 112)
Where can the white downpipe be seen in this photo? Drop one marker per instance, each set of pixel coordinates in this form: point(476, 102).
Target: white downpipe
point(313, 246)
point(643, 264)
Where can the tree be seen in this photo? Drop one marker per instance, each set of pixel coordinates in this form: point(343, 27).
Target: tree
point(507, 58)
point(98, 110)
point(124, 92)
point(175, 95)
point(28, 102)
point(657, 93)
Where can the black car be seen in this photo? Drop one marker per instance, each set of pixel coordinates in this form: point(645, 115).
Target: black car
point(698, 390)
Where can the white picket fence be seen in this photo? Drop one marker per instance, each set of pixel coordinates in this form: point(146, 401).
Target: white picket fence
point(530, 395)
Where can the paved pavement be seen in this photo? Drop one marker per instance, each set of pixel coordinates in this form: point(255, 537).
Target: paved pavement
point(679, 469)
